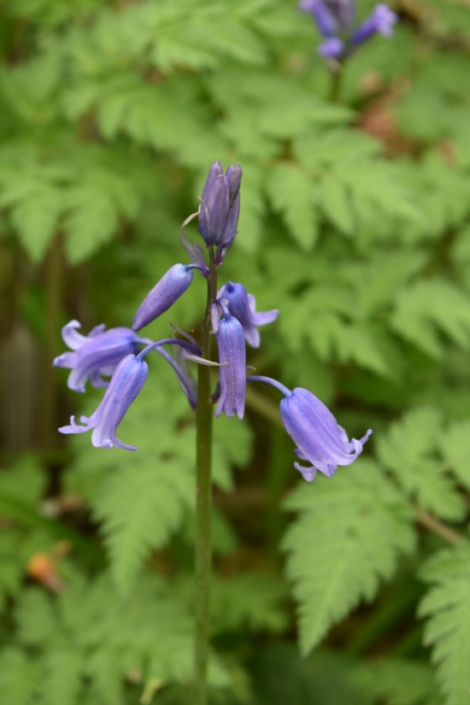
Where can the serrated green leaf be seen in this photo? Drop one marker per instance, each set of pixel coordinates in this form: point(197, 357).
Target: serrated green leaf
point(62, 682)
point(399, 682)
point(336, 204)
point(292, 193)
point(455, 444)
point(347, 539)
point(447, 607)
point(19, 675)
point(427, 307)
point(409, 449)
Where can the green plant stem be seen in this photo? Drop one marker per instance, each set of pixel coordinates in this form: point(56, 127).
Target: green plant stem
point(335, 85)
point(204, 415)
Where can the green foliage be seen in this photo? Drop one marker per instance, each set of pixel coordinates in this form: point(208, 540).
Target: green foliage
point(447, 607)
point(409, 449)
point(400, 682)
point(355, 224)
point(347, 539)
point(88, 641)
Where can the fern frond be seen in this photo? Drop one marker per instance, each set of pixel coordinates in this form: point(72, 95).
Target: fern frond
point(347, 538)
point(447, 608)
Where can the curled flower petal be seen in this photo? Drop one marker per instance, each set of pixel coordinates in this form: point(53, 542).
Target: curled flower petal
point(242, 305)
point(171, 286)
point(232, 357)
point(96, 354)
point(127, 381)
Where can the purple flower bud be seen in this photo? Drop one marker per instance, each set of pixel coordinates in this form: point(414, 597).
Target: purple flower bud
point(381, 21)
point(96, 354)
point(242, 306)
point(127, 381)
point(164, 294)
point(320, 440)
point(220, 205)
point(332, 48)
point(232, 357)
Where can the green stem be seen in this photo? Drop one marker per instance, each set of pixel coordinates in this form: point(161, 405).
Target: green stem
point(204, 498)
point(335, 85)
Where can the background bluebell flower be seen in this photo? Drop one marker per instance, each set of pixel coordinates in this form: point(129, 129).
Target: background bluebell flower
point(96, 354)
point(320, 440)
point(232, 358)
point(242, 305)
point(335, 22)
point(171, 286)
point(127, 381)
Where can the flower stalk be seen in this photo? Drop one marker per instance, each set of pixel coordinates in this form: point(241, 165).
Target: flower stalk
point(204, 415)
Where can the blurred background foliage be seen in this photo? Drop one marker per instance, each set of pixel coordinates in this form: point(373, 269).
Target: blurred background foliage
point(356, 225)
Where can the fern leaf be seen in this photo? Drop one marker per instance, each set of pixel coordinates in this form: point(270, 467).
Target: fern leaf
point(62, 681)
point(140, 507)
point(409, 449)
point(455, 445)
point(399, 682)
point(291, 192)
point(427, 307)
point(447, 607)
point(19, 675)
point(347, 539)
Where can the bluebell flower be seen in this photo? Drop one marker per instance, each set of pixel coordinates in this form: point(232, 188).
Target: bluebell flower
point(232, 358)
point(220, 208)
point(171, 286)
point(243, 306)
point(335, 22)
point(96, 354)
point(127, 381)
point(320, 439)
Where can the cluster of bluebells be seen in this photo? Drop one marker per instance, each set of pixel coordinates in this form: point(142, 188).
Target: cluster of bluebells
point(119, 353)
point(335, 20)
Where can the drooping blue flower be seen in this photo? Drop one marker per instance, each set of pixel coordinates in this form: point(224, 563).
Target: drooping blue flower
point(127, 381)
point(96, 354)
point(232, 358)
point(220, 208)
point(171, 286)
point(242, 305)
point(320, 439)
point(335, 22)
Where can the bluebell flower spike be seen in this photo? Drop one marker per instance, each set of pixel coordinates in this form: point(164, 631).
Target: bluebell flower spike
point(95, 355)
point(320, 439)
point(232, 357)
point(127, 381)
point(171, 286)
point(242, 306)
